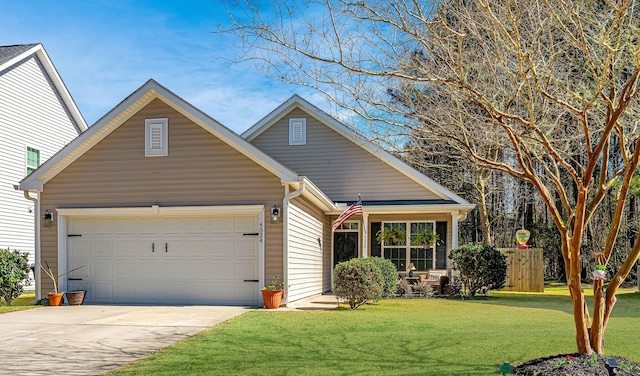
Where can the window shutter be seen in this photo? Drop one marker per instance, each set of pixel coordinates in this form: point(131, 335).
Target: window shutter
point(297, 131)
point(441, 246)
point(156, 137)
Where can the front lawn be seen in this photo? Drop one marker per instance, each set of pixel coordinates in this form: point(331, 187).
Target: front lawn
point(25, 301)
point(394, 337)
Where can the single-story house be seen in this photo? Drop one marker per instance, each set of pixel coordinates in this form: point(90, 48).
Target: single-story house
point(163, 204)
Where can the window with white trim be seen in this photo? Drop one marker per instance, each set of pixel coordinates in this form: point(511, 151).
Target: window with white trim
point(156, 137)
point(403, 252)
point(33, 159)
point(298, 131)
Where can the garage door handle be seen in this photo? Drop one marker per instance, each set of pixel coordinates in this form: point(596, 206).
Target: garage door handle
point(153, 247)
point(166, 247)
point(251, 280)
point(74, 279)
point(251, 234)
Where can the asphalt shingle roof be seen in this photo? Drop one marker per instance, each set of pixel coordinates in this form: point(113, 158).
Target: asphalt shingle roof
point(9, 52)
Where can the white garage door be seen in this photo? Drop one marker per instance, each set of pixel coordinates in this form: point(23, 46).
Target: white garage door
point(166, 259)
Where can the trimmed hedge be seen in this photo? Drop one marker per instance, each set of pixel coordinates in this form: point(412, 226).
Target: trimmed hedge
point(358, 281)
point(389, 274)
point(482, 268)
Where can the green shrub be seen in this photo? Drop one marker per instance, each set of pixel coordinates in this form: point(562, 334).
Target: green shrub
point(403, 287)
point(14, 270)
point(358, 281)
point(388, 272)
point(481, 267)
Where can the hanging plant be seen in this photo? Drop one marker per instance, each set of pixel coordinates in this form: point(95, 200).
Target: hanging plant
point(388, 235)
point(425, 238)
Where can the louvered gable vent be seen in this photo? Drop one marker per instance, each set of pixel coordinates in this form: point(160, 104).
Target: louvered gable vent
point(298, 131)
point(156, 144)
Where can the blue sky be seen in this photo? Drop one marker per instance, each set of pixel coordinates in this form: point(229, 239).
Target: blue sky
point(104, 50)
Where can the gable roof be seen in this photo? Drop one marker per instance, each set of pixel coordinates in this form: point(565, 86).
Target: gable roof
point(298, 102)
point(148, 92)
point(11, 55)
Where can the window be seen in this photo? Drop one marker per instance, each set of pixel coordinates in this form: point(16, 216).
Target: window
point(402, 252)
point(298, 131)
point(155, 137)
point(33, 159)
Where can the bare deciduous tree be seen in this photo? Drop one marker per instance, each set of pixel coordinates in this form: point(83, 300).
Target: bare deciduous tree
point(551, 84)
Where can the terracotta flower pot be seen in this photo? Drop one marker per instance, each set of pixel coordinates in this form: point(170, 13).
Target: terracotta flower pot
point(75, 297)
point(55, 299)
point(272, 298)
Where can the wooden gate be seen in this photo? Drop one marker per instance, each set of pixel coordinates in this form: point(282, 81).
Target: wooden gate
point(525, 269)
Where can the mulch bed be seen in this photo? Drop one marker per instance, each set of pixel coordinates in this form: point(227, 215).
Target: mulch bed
point(575, 364)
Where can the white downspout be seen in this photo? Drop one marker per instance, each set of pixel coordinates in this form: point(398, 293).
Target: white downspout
point(285, 229)
point(36, 270)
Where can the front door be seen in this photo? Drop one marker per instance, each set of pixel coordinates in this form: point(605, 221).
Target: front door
point(345, 246)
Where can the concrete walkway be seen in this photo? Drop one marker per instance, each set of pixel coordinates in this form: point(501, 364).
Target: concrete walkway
point(94, 339)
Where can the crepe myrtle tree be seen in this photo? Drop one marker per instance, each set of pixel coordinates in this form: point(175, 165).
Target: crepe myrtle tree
point(551, 84)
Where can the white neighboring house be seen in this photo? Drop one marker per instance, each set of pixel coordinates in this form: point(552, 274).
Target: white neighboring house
point(37, 118)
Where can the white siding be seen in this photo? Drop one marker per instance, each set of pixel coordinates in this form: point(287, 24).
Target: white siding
point(31, 114)
point(305, 254)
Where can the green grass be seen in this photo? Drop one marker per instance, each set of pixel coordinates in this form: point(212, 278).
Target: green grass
point(394, 337)
point(25, 301)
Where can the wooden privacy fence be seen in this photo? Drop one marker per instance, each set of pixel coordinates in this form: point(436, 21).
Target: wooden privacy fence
point(525, 269)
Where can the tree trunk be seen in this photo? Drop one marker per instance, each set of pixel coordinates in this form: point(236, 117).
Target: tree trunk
point(482, 211)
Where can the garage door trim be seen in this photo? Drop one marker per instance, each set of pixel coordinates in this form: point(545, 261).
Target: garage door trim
point(65, 213)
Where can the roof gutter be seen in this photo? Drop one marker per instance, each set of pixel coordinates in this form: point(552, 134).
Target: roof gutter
point(36, 270)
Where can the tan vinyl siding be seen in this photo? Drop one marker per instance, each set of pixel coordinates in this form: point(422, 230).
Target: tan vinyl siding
point(199, 170)
point(339, 167)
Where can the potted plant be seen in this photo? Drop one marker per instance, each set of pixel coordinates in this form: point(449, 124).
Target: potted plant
point(76, 297)
point(425, 238)
point(600, 272)
point(55, 297)
point(388, 235)
point(272, 293)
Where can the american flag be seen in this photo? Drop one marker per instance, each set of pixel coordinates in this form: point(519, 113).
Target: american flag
point(351, 210)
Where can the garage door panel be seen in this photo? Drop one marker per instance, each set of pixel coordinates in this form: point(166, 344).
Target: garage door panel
point(246, 247)
point(206, 260)
point(198, 247)
point(126, 269)
point(221, 225)
point(245, 224)
point(102, 271)
point(102, 226)
point(221, 247)
point(79, 247)
point(125, 226)
point(244, 270)
point(103, 247)
point(197, 225)
point(101, 292)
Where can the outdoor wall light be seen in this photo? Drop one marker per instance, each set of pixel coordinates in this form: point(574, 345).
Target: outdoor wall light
point(47, 219)
point(275, 215)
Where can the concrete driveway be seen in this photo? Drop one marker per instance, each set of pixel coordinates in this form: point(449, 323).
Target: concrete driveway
point(94, 339)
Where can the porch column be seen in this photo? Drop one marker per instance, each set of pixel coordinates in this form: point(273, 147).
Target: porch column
point(365, 234)
point(454, 235)
point(454, 230)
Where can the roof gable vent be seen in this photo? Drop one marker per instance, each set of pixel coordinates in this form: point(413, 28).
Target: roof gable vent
point(155, 137)
point(298, 131)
